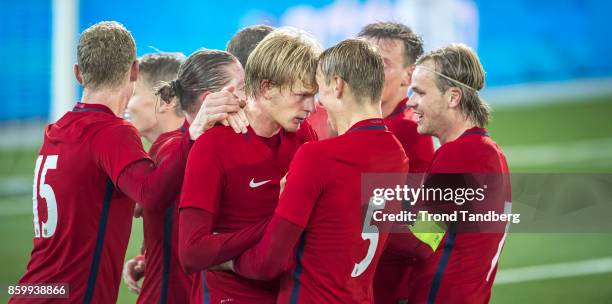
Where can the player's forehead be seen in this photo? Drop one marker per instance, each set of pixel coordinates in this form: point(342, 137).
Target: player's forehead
point(300, 88)
point(422, 75)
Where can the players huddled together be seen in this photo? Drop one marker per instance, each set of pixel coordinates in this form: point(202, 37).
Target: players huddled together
point(250, 191)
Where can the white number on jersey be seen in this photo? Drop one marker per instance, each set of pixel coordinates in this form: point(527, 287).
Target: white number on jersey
point(44, 191)
point(369, 233)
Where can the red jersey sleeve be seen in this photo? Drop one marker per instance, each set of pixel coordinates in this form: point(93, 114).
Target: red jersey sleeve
point(117, 147)
point(302, 188)
point(204, 175)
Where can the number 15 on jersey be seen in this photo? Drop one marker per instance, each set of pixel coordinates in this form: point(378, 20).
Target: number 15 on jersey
point(43, 190)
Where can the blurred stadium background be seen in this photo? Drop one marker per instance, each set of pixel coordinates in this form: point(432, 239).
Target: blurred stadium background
point(549, 80)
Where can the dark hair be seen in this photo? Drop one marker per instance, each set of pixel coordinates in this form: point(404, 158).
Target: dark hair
point(244, 42)
point(204, 70)
point(358, 64)
point(158, 67)
point(413, 44)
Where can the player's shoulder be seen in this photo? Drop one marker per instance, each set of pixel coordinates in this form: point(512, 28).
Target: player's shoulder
point(81, 126)
point(218, 139)
point(219, 133)
point(470, 153)
point(313, 151)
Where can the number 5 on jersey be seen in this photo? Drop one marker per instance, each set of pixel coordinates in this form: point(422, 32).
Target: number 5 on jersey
point(370, 233)
point(45, 191)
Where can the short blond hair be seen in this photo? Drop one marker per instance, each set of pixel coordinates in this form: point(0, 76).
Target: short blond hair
point(460, 67)
point(105, 53)
point(358, 64)
point(285, 56)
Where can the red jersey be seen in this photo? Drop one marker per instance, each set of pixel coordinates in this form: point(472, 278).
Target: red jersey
point(335, 260)
point(393, 271)
point(319, 122)
point(463, 268)
point(165, 281)
point(419, 148)
point(236, 177)
point(82, 222)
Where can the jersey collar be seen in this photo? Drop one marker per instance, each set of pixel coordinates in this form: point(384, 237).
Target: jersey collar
point(400, 108)
point(475, 130)
point(368, 124)
point(91, 107)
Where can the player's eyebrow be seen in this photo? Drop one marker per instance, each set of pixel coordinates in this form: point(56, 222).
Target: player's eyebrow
point(305, 93)
point(417, 90)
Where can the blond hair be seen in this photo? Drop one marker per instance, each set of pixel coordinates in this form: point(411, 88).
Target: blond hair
point(358, 64)
point(457, 65)
point(284, 57)
point(105, 53)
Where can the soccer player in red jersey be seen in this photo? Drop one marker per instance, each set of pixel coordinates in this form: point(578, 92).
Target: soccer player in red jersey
point(90, 169)
point(161, 124)
point(165, 280)
point(399, 47)
point(232, 180)
point(446, 83)
point(320, 209)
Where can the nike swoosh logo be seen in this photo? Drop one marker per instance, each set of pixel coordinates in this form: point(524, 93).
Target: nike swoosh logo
point(253, 184)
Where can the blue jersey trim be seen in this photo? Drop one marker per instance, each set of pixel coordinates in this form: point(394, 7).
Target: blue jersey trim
point(437, 279)
point(206, 292)
point(298, 270)
point(93, 272)
point(167, 246)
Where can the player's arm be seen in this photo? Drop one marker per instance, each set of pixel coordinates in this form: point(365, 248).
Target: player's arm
point(418, 240)
point(200, 248)
point(123, 158)
point(155, 187)
point(272, 254)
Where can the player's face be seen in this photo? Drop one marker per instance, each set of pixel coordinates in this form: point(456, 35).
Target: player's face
point(141, 110)
point(397, 78)
point(428, 102)
point(236, 74)
point(289, 107)
point(327, 98)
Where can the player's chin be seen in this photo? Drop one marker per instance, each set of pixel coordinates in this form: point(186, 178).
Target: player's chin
point(422, 128)
point(293, 125)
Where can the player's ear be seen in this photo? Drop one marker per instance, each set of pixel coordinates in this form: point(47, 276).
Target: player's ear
point(264, 88)
point(167, 106)
point(339, 87)
point(77, 73)
point(134, 71)
point(201, 98)
point(455, 95)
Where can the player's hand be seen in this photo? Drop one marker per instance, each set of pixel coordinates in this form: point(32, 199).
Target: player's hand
point(133, 271)
point(227, 266)
point(137, 210)
point(238, 121)
point(219, 107)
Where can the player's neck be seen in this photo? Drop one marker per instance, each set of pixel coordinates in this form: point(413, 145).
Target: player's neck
point(356, 114)
point(260, 121)
point(114, 99)
point(164, 125)
point(455, 130)
point(389, 106)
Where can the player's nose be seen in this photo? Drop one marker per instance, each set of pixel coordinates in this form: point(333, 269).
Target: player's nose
point(309, 105)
